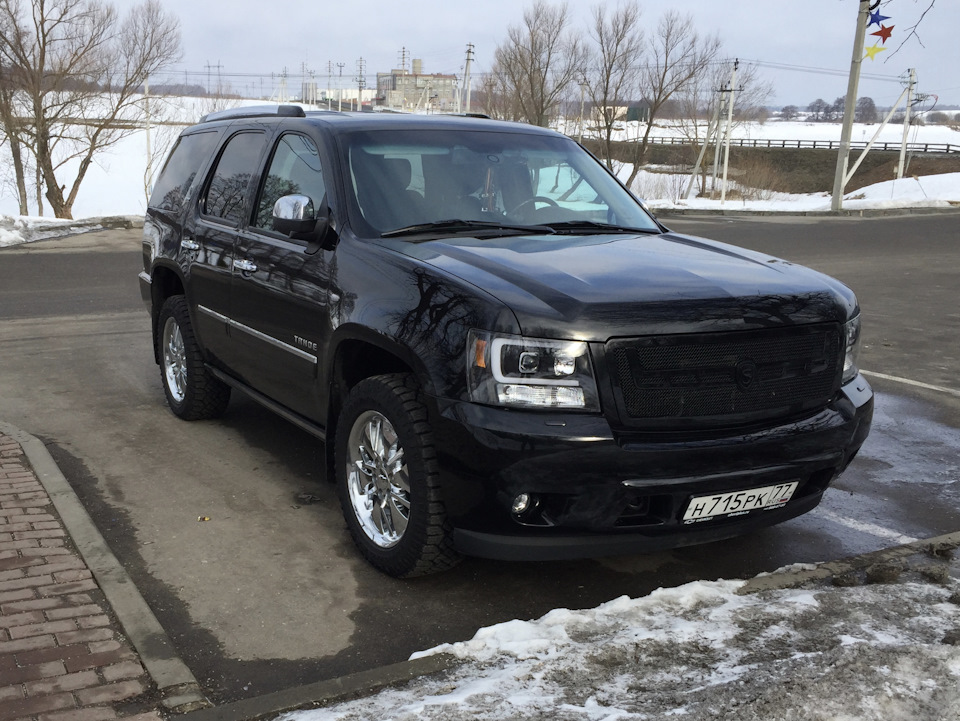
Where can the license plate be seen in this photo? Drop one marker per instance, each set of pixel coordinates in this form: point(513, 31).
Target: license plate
point(738, 503)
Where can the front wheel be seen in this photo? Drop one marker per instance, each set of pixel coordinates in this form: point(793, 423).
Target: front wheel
point(192, 392)
point(388, 481)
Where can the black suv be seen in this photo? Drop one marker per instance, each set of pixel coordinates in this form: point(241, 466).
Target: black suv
point(504, 353)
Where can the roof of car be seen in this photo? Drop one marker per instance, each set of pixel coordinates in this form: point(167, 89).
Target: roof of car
point(367, 120)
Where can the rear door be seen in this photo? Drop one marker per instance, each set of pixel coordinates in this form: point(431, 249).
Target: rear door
point(223, 205)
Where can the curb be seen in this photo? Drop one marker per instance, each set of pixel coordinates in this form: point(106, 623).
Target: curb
point(177, 685)
point(830, 569)
point(324, 693)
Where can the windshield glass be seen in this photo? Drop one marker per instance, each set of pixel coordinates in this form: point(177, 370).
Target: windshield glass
point(402, 178)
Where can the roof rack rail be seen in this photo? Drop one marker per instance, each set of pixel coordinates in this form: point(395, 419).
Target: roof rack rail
point(255, 111)
point(471, 115)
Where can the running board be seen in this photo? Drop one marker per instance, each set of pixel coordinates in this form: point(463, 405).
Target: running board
point(295, 418)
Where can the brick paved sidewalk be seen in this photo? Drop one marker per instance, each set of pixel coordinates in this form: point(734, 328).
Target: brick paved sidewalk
point(63, 656)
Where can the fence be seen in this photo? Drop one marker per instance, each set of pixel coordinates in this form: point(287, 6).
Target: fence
point(824, 144)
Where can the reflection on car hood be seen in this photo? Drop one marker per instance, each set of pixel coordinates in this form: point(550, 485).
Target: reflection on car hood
point(597, 287)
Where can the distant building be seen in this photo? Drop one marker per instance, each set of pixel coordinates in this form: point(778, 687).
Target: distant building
point(404, 90)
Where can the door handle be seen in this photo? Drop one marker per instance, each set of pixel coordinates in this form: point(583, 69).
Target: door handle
point(247, 266)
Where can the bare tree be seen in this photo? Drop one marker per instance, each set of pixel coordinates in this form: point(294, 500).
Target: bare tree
point(678, 54)
point(12, 137)
point(614, 67)
point(76, 74)
point(537, 63)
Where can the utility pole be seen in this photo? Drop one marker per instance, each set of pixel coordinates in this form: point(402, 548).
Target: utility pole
point(340, 87)
point(712, 126)
point(329, 78)
point(583, 87)
point(466, 74)
point(724, 93)
point(726, 150)
point(849, 107)
point(361, 82)
point(906, 121)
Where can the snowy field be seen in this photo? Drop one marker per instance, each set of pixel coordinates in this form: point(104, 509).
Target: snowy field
point(115, 183)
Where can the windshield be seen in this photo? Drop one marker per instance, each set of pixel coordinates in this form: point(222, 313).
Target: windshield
point(403, 178)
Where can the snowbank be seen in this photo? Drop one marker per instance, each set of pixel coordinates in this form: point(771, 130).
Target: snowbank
point(701, 651)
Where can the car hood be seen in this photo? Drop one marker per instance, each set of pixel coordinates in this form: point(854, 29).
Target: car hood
point(603, 286)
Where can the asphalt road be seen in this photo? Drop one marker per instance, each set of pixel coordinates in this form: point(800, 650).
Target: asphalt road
point(270, 593)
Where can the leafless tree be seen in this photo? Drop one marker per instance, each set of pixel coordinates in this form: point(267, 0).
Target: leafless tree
point(927, 5)
point(12, 138)
point(614, 74)
point(76, 72)
point(537, 63)
point(677, 54)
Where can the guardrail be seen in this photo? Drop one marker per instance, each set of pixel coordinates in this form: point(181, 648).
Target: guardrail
point(823, 144)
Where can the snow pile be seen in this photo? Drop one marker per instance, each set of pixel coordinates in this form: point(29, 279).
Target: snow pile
point(23, 229)
point(701, 651)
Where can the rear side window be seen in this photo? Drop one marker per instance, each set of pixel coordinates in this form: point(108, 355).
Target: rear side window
point(180, 170)
point(238, 162)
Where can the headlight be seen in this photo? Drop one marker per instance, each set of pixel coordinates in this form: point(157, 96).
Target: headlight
point(851, 356)
point(511, 370)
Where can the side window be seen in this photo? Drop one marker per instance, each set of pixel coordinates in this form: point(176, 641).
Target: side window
point(231, 178)
point(570, 192)
point(294, 170)
point(180, 169)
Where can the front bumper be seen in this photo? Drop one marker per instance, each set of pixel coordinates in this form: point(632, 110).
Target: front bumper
point(599, 492)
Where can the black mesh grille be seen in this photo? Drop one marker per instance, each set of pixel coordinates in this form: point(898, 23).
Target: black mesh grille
point(737, 376)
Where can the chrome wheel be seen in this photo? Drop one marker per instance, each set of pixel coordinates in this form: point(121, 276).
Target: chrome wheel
point(174, 360)
point(378, 481)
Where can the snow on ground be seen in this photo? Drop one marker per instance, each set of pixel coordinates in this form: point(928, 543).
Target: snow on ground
point(701, 651)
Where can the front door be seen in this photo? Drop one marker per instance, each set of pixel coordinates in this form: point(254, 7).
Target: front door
point(280, 286)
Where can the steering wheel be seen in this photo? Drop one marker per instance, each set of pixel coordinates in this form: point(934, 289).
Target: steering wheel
point(531, 201)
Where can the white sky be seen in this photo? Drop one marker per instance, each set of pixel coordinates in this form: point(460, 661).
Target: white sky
point(257, 37)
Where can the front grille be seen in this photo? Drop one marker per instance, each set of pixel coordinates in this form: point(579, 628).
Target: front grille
point(716, 379)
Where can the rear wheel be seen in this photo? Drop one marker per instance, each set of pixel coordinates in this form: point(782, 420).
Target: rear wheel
point(388, 481)
point(193, 393)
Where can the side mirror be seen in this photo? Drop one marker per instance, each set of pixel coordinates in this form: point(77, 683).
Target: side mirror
point(294, 214)
point(295, 217)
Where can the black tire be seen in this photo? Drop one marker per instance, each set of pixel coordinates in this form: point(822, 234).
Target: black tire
point(393, 510)
point(192, 392)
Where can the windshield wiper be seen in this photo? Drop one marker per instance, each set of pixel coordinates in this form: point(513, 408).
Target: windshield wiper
point(591, 226)
point(456, 225)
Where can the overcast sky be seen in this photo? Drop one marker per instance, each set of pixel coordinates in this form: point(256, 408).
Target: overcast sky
point(247, 38)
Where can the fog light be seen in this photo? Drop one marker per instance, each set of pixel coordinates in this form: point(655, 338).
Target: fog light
point(521, 503)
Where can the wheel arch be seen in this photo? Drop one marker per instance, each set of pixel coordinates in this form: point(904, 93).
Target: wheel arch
point(165, 282)
point(358, 353)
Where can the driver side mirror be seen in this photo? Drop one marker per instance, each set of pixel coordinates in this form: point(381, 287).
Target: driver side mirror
point(295, 217)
